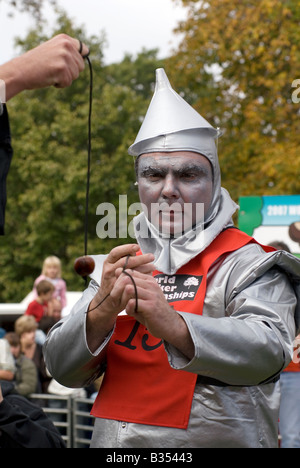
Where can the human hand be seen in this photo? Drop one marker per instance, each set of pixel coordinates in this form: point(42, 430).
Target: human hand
point(1, 396)
point(104, 308)
point(118, 258)
point(153, 310)
point(56, 62)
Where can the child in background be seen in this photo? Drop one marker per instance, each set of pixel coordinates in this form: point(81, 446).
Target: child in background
point(25, 327)
point(26, 377)
point(39, 307)
point(52, 272)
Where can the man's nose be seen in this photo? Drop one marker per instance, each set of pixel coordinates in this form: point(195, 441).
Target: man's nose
point(170, 187)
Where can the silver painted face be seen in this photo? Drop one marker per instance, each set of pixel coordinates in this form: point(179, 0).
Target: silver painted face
point(173, 187)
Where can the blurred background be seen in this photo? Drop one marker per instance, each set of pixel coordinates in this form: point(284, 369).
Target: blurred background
point(235, 61)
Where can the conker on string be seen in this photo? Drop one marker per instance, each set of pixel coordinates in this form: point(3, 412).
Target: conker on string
point(84, 266)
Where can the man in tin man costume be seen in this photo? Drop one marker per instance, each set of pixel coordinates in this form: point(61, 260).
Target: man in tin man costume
point(192, 326)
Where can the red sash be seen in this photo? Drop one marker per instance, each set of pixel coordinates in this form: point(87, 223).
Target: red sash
point(139, 385)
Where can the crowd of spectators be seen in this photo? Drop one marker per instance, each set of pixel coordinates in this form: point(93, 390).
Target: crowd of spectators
point(22, 366)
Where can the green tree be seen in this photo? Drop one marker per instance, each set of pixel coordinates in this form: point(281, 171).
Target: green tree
point(236, 65)
point(47, 180)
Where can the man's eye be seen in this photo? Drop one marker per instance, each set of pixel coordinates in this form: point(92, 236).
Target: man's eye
point(153, 175)
point(189, 175)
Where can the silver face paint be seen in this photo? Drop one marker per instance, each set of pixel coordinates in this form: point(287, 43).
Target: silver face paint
point(171, 185)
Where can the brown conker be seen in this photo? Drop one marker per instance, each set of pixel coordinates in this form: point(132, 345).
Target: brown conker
point(294, 232)
point(84, 266)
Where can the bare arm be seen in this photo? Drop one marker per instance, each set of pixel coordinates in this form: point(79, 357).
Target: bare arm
point(6, 375)
point(56, 62)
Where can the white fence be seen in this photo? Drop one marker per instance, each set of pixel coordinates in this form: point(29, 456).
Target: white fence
point(9, 313)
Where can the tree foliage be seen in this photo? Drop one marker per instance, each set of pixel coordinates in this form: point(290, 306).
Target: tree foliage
point(236, 64)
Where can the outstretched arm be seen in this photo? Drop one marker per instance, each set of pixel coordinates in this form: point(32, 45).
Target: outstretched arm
point(57, 62)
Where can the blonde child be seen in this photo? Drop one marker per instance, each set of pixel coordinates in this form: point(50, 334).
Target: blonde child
point(52, 272)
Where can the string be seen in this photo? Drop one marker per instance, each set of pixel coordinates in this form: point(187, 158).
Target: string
point(133, 282)
point(89, 159)
point(88, 190)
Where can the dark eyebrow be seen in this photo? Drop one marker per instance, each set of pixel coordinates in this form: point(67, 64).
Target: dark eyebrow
point(150, 170)
point(162, 171)
point(195, 168)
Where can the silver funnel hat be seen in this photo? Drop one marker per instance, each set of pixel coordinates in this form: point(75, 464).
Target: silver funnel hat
point(171, 124)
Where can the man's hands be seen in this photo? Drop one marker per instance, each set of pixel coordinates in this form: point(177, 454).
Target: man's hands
point(1, 396)
point(114, 263)
point(56, 62)
point(101, 319)
point(117, 293)
point(154, 312)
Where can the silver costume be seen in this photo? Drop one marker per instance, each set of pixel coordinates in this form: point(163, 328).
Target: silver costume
point(249, 343)
point(243, 340)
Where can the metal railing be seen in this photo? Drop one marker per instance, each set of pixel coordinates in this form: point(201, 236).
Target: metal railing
point(83, 422)
point(71, 416)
